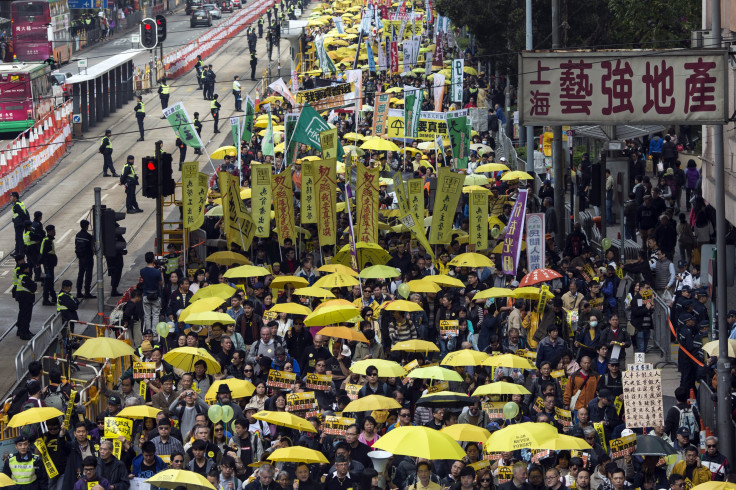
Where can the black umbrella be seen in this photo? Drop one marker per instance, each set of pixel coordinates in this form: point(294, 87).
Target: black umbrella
point(447, 399)
point(653, 446)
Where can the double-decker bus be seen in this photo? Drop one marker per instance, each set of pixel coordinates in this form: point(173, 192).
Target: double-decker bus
point(26, 95)
point(41, 30)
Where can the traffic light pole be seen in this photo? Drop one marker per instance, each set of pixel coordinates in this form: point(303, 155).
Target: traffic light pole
point(98, 252)
point(159, 207)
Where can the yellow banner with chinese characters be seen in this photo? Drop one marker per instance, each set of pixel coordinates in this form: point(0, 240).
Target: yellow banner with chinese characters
point(415, 193)
point(400, 191)
point(261, 199)
point(283, 205)
point(544, 295)
point(478, 209)
point(238, 224)
point(70, 408)
point(308, 208)
point(193, 196)
point(366, 203)
point(46, 459)
point(118, 426)
point(325, 191)
point(328, 143)
point(449, 188)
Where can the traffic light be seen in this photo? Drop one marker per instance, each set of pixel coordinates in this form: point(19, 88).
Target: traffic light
point(113, 243)
point(149, 33)
point(161, 25)
point(167, 180)
point(149, 169)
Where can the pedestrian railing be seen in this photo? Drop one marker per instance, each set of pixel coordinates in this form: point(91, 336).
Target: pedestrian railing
point(661, 337)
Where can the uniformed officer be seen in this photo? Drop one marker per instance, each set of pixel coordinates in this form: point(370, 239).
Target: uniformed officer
point(683, 276)
point(198, 126)
point(48, 261)
point(215, 111)
point(106, 150)
point(689, 339)
point(253, 65)
point(163, 94)
point(252, 40)
point(84, 248)
point(32, 247)
point(37, 234)
point(199, 66)
point(20, 216)
point(67, 304)
point(260, 27)
point(129, 179)
point(140, 114)
point(210, 82)
point(115, 271)
point(203, 81)
point(268, 13)
point(269, 42)
point(25, 295)
point(237, 93)
point(25, 468)
point(182, 151)
point(172, 260)
point(19, 261)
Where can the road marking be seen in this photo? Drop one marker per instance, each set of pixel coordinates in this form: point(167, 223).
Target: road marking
point(104, 197)
point(4, 274)
point(84, 216)
point(7, 291)
point(61, 238)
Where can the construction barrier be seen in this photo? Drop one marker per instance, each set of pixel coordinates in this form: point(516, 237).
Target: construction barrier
point(183, 59)
point(35, 151)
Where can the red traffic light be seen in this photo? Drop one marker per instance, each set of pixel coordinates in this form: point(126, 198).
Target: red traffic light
point(151, 166)
point(158, 21)
point(148, 27)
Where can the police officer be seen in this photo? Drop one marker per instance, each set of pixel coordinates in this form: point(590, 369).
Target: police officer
point(32, 246)
point(130, 180)
point(140, 114)
point(252, 40)
point(25, 468)
point(269, 42)
point(49, 261)
point(19, 261)
point(689, 339)
point(172, 260)
point(237, 93)
point(210, 82)
point(25, 295)
point(66, 304)
point(260, 27)
point(683, 276)
point(163, 94)
point(106, 150)
point(84, 248)
point(182, 151)
point(198, 126)
point(115, 271)
point(253, 65)
point(215, 111)
point(268, 13)
point(199, 66)
point(20, 216)
point(36, 236)
point(203, 81)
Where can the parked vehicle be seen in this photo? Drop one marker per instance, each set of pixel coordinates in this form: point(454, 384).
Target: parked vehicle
point(193, 5)
point(215, 12)
point(237, 4)
point(227, 6)
point(200, 17)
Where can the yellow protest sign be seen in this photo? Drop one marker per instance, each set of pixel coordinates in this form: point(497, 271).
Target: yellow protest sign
point(325, 190)
point(437, 387)
point(449, 187)
point(478, 227)
point(118, 426)
point(328, 143)
point(283, 205)
point(261, 199)
point(48, 464)
point(494, 410)
point(144, 370)
point(308, 207)
point(415, 194)
point(300, 402)
point(337, 426)
point(623, 446)
point(321, 382)
point(193, 196)
point(505, 473)
point(70, 408)
point(117, 448)
point(353, 390)
point(479, 465)
point(366, 203)
point(239, 227)
point(564, 417)
point(449, 327)
point(431, 125)
point(598, 426)
point(281, 379)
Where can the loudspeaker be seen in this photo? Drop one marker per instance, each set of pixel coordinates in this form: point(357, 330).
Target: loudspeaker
point(380, 460)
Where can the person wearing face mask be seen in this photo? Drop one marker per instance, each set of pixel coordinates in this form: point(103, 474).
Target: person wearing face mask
point(587, 340)
point(371, 350)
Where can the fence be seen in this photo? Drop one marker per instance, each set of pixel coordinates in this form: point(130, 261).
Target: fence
point(661, 332)
point(35, 151)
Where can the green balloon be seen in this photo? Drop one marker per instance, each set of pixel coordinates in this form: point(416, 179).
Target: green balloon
point(162, 328)
point(510, 410)
point(495, 231)
point(606, 243)
point(404, 290)
point(227, 413)
point(215, 413)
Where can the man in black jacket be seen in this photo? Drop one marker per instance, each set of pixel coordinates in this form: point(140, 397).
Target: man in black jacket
point(78, 447)
point(84, 248)
point(25, 290)
point(49, 261)
point(111, 468)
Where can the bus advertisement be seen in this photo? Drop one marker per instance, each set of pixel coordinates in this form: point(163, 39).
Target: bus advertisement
point(26, 95)
point(41, 30)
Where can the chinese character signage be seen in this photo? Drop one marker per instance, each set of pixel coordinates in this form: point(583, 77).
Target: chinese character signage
point(380, 114)
point(194, 195)
point(449, 188)
point(308, 203)
point(624, 87)
point(535, 241)
point(456, 82)
point(366, 203)
point(261, 199)
point(643, 398)
point(325, 190)
point(324, 98)
point(283, 205)
point(178, 118)
point(478, 210)
point(412, 110)
point(431, 124)
point(512, 240)
point(328, 143)
point(415, 194)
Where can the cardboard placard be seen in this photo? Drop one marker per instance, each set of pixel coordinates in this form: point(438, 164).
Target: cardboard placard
point(144, 370)
point(643, 398)
point(437, 387)
point(505, 473)
point(353, 390)
point(118, 426)
point(337, 426)
point(559, 373)
point(564, 417)
point(493, 409)
point(479, 465)
point(321, 382)
point(539, 454)
point(449, 327)
point(299, 402)
point(622, 446)
point(281, 379)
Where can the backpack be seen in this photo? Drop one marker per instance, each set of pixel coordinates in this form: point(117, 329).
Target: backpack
point(687, 420)
point(55, 399)
point(493, 122)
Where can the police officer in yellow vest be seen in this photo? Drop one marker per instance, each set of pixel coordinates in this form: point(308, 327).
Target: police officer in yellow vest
point(198, 66)
point(163, 94)
point(106, 150)
point(20, 215)
point(32, 246)
point(129, 179)
point(172, 260)
point(260, 27)
point(19, 261)
point(25, 294)
point(237, 93)
point(24, 468)
point(67, 304)
point(140, 114)
point(203, 80)
point(215, 111)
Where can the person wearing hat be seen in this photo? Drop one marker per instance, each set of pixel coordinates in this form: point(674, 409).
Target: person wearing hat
point(683, 277)
point(688, 336)
point(129, 180)
point(114, 405)
point(24, 468)
point(19, 217)
point(224, 398)
point(601, 409)
point(25, 290)
point(106, 150)
point(700, 306)
point(49, 260)
point(32, 238)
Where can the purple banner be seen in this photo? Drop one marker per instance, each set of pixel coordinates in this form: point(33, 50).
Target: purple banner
point(514, 230)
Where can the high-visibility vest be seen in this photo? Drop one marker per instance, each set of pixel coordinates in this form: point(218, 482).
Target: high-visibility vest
point(27, 241)
point(213, 107)
point(236, 86)
point(202, 76)
point(16, 271)
point(172, 262)
point(106, 144)
point(22, 206)
point(142, 109)
point(132, 169)
point(59, 306)
point(164, 89)
point(23, 472)
point(43, 245)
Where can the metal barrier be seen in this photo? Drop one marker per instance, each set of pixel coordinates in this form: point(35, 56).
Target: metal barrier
point(36, 348)
point(661, 332)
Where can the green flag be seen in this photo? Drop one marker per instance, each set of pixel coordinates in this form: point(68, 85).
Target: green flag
point(267, 144)
point(325, 62)
point(182, 125)
point(235, 126)
point(458, 130)
point(308, 127)
point(250, 114)
point(289, 126)
point(412, 109)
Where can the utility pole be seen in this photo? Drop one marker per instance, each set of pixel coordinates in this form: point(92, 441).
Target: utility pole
point(529, 129)
point(99, 252)
point(159, 197)
point(558, 168)
point(723, 370)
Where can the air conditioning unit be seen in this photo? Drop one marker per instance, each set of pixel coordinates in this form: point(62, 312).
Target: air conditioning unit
point(700, 38)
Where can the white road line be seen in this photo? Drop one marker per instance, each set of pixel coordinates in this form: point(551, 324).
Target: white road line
point(104, 197)
point(61, 238)
point(84, 216)
point(4, 274)
point(7, 291)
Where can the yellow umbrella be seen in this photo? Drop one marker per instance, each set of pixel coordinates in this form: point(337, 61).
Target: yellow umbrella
point(343, 333)
point(222, 291)
point(227, 258)
point(445, 280)
point(508, 361)
point(280, 282)
point(220, 153)
point(464, 357)
point(209, 318)
point(715, 485)
point(474, 179)
point(500, 388)
point(139, 412)
point(401, 305)
point(470, 70)
point(471, 259)
point(184, 358)
point(206, 304)
point(353, 136)
point(180, 478)
point(421, 442)
point(527, 435)
point(475, 188)
point(435, 372)
point(415, 345)
point(298, 454)
point(529, 292)
point(291, 308)
point(6, 481)
point(104, 348)
point(246, 193)
point(466, 432)
point(516, 174)
point(394, 90)
point(379, 272)
point(491, 167)
point(367, 253)
point(423, 286)
point(334, 302)
point(331, 315)
point(314, 291)
point(494, 293)
point(34, 415)
point(285, 419)
point(379, 144)
point(565, 442)
point(336, 280)
point(246, 271)
point(386, 369)
point(371, 402)
point(712, 348)
point(215, 211)
point(239, 388)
